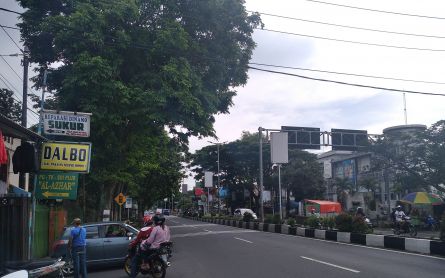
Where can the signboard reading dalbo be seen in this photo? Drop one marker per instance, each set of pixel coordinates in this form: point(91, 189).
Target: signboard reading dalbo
point(53, 185)
point(66, 123)
point(64, 156)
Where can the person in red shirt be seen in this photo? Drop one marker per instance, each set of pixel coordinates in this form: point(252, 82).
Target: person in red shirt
point(143, 234)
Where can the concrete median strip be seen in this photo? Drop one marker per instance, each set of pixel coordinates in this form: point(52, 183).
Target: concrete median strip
point(329, 264)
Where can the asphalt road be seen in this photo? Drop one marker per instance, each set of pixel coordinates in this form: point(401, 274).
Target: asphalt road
point(204, 250)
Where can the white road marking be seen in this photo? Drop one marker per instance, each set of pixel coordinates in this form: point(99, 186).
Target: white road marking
point(362, 246)
point(333, 265)
point(174, 221)
point(213, 233)
point(191, 225)
point(207, 230)
point(243, 239)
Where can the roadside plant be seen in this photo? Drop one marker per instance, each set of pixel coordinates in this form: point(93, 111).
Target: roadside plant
point(442, 228)
point(276, 219)
point(268, 218)
point(312, 221)
point(343, 222)
point(247, 217)
point(359, 226)
point(291, 222)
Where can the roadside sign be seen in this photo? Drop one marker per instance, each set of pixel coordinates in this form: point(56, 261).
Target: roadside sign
point(66, 156)
point(53, 185)
point(129, 203)
point(66, 123)
point(120, 199)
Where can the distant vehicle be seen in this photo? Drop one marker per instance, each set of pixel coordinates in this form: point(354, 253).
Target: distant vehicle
point(158, 211)
point(107, 243)
point(240, 213)
point(166, 212)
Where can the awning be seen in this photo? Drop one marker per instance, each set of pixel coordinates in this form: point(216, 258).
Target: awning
point(326, 206)
point(12, 129)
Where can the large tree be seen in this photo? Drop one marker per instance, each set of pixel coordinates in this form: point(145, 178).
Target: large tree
point(9, 107)
point(416, 160)
point(140, 67)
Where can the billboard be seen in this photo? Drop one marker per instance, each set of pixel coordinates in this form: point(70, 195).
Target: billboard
point(208, 179)
point(66, 123)
point(346, 170)
point(65, 156)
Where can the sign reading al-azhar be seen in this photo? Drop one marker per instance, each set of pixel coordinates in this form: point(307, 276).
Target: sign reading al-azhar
point(56, 185)
point(65, 123)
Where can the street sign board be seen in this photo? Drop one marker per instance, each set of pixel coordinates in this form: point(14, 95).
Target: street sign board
point(56, 185)
point(120, 199)
point(66, 156)
point(208, 179)
point(303, 137)
point(348, 139)
point(66, 123)
point(129, 203)
point(279, 147)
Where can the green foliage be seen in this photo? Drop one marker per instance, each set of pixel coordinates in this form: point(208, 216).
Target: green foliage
point(268, 218)
point(9, 107)
point(328, 222)
point(141, 68)
point(312, 221)
point(291, 222)
point(343, 222)
point(247, 217)
point(359, 225)
point(276, 219)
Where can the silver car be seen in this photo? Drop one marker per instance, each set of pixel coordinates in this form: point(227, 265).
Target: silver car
point(107, 243)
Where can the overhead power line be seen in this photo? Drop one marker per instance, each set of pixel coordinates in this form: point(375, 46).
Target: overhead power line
point(350, 27)
point(10, 11)
point(348, 84)
point(374, 10)
point(349, 74)
point(355, 42)
point(6, 32)
point(9, 27)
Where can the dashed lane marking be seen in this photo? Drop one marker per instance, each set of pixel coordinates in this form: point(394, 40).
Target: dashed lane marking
point(213, 233)
point(333, 265)
point(245, 240)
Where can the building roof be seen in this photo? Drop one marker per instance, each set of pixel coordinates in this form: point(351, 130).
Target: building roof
point(13, 129)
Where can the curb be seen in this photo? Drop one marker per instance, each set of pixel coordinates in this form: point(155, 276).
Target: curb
point(423, 246)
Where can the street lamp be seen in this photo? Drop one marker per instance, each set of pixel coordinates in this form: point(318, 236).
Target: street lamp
point(219, 181)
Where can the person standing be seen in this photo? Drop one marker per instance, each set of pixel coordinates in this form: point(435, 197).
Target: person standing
point(77, 247)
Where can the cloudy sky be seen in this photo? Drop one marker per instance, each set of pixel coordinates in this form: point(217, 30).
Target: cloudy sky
point(272, 100)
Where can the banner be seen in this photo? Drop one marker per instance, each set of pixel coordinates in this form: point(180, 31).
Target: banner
point(66, 123)
point(64, 156)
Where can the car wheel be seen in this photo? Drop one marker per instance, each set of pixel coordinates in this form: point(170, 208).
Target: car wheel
point(68, 268)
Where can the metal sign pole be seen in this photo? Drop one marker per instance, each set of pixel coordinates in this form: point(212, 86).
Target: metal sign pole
point(279, 188)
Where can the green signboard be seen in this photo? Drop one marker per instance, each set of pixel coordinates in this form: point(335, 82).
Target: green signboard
point(57, 185)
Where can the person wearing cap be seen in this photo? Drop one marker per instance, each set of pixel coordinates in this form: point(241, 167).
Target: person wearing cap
point(77, 248)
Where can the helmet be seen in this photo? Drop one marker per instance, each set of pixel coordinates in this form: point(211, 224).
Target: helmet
point(399, 207)
point(147, 220)
point(159, 219)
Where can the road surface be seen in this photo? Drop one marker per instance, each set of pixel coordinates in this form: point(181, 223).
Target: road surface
point(205, 250)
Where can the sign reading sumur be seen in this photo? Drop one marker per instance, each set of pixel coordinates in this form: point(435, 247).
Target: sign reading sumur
point(64, 156)
point(66, 123)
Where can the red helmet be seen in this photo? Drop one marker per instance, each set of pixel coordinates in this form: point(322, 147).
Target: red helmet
point(147, 220)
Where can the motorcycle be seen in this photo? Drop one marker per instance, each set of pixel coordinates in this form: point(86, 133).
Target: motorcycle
point(405, 227)
point(26, 269)
point(158, 261)
point(369, 223)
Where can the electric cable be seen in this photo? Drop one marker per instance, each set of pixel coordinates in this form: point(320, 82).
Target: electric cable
point(348, 84)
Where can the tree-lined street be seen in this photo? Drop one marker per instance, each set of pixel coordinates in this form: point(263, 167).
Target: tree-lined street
point(203, 250)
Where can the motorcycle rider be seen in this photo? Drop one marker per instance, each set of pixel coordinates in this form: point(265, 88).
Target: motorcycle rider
point(400, 217)
point(159, 234)
point(143, 234)
point(360, 213)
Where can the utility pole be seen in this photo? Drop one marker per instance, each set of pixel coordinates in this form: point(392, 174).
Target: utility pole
point(260, 133)
point(22, 176)
point(219, 182)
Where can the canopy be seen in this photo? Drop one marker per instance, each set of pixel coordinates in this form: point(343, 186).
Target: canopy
point(326, 206)
point(422, 198)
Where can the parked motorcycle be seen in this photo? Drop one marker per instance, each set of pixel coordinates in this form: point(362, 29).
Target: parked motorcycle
point(27, 270)
point(405, 227)
point(158, 261)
